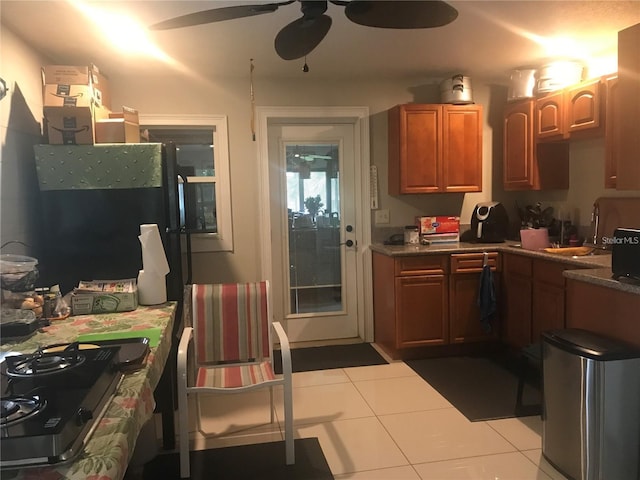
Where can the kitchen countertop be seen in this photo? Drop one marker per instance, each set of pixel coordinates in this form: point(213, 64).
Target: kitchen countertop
point(602, 277)
point(589, 268)
point(109, 450)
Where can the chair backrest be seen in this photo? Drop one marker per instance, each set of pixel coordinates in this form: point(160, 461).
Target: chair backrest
point(231, 322)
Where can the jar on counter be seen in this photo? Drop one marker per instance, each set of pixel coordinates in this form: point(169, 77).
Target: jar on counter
point(411, 236)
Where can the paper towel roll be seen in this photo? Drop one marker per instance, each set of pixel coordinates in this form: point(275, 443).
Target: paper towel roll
point(154, 259)
point(152, 288)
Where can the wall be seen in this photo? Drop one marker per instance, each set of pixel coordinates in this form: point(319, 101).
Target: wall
point(230, 97)
point(191, 95)
point(20, 129)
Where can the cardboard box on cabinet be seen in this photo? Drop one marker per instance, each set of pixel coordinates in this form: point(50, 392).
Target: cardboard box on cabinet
point(72, 125)
point(120, 127)
point(69, 125)
point(74, 75)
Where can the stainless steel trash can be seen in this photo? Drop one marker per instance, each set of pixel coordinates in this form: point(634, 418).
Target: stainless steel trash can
point(591, 405)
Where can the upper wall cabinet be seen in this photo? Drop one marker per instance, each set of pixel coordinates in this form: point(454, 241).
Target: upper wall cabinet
point(528, 165)
point(435, 148)
point(575, 112)
point(627, 110)
point(612, 140)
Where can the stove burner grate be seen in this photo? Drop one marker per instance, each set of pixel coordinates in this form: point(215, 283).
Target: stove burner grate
point(17, 409)
point(42, 363)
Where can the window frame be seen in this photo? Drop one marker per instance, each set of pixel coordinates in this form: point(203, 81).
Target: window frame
point(222, 241)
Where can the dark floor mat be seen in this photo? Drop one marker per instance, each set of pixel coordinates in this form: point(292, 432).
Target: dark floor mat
point(481, 388)
point(332, 356)
point(262, 461)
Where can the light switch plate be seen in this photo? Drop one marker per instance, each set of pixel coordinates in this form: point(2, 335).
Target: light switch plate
point(382, 216)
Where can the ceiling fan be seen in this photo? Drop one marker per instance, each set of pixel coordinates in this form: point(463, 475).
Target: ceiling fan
point(301, 36)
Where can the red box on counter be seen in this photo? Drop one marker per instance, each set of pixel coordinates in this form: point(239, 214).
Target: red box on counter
point(438, 224)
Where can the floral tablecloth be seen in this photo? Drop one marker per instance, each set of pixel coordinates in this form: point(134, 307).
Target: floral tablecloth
point(107, 454)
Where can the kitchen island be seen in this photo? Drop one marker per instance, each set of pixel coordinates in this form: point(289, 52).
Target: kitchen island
point(109, 450)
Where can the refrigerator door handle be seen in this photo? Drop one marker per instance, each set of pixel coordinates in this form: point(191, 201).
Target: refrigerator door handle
point(182, 227)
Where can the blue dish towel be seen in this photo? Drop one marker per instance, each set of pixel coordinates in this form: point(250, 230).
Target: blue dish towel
point(486, 298)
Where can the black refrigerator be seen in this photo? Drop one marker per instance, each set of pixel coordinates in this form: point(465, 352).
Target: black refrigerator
point(94, 199)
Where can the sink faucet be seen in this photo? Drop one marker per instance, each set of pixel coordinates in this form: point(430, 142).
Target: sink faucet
point(595, 220)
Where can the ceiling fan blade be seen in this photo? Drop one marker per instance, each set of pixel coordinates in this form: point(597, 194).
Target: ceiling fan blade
point(218, 15)
point(401, 14)
point(301, 36)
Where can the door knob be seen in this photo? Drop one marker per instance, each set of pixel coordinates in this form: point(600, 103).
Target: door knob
point(349, 228)
point(348, 243)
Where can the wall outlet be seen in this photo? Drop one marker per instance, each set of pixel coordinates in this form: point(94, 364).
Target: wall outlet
point(382, 216)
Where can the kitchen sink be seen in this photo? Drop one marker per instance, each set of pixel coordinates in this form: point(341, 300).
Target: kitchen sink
point(596, 251)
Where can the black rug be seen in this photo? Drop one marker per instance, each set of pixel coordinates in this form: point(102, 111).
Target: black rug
point(262, 461)
point(332, 356)
point(481, 387)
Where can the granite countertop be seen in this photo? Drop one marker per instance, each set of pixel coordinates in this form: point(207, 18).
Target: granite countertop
point(589, 268)
point(602, 277)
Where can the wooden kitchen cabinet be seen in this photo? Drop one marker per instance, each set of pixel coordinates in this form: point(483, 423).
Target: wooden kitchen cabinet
point(528, 165)
point(550, 122)
point(421, 309)
point(517, 300)
point(603, 310)
point(464, 313)
point(534, 298)
point(627, 115)
point(611, 138)
point(572, 113)
point(583, 105)
point(435, 148)
point(547, 297)
point(426, 301)
point(410, 301)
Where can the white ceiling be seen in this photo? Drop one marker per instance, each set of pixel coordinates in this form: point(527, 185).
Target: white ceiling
point(488, 39)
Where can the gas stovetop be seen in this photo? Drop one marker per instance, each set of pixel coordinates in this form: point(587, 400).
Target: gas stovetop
point(52, 400)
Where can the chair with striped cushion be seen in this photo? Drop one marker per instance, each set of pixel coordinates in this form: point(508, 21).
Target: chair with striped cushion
point(228, 346)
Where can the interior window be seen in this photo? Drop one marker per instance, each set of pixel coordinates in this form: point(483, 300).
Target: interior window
point(203, 183)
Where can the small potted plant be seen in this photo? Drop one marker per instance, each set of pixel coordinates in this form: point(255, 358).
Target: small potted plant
point(313, 205)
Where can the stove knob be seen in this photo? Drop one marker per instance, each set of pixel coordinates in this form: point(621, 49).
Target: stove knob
point(84, 415)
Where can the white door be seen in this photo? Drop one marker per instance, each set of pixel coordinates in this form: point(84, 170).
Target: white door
point(312, 178)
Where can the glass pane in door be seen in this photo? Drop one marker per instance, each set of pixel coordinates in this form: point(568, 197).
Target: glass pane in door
point(313, 210)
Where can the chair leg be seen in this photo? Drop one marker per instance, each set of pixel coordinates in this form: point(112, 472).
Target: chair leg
point(183, 417)
point(271, 400)
point(288, 422)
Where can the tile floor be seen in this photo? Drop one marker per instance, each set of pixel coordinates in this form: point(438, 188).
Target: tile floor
point(380, 422)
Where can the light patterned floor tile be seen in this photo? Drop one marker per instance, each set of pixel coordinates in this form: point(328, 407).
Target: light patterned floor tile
point(372, 372)
point(536, 457)
point(396, 473)
point(354, 445)
point(319, 377)
point(383, 397)
point(324, 403)
point(225, 414)
point(262, 434)
point(523, 432)
point(514, 466)
point(444, 434)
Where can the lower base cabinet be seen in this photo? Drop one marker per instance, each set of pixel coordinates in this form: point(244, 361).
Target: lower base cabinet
point(465, 324)
point(421, 310)
point(534, 299)
point(428, 301)
point(609, 312)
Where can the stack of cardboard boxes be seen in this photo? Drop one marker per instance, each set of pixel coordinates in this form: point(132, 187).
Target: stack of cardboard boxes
point(77, 108)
